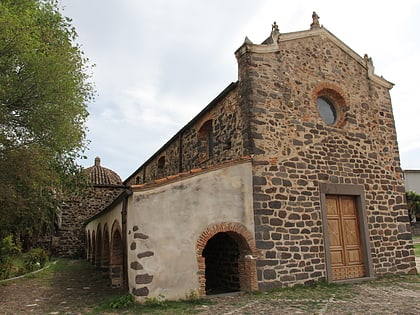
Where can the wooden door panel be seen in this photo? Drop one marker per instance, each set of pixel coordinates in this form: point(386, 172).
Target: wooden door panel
point(334, 232)
point(354, 256)
point(351, 232)
point(332, 206)
point(345, 247)
point(348, 206)
point(337, 257)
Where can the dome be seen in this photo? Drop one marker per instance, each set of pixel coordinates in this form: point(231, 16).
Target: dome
point(99, 175)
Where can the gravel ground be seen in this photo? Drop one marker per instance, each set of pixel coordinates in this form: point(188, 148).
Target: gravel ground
point(79, 289)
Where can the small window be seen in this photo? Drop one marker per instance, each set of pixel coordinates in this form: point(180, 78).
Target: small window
point(161, 167)
point(327, 110)
point(205, 141)
point(161, 163)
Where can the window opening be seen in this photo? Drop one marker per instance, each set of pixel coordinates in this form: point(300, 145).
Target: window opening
point(205, 141)
point(327, 110)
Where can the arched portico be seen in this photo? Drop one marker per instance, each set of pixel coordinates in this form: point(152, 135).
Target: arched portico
point(117, 259)
point(98, 254)
point(106, 250)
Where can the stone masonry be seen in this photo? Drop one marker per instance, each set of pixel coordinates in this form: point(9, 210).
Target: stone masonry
point(105, 186)
point(300, 160)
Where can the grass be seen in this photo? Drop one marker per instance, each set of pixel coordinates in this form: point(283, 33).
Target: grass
point(126, 304)
point(303, 298)
point(417, 250)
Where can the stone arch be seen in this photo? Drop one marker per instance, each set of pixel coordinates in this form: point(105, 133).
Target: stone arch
point(106, 255)
point(246, 261)
point(98, 254)
point(116, 258)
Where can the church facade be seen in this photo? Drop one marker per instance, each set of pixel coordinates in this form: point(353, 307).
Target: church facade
point(291, 175)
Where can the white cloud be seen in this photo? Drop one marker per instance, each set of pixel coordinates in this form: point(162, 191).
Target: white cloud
point(158, 63)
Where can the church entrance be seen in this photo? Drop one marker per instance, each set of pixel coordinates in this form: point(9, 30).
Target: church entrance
point(345, 246)
point(221, 256)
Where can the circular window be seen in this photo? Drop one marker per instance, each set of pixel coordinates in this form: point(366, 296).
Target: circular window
point(327, 110)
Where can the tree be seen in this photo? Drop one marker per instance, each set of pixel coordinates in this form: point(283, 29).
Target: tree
point(413, 204)
point(44, 91)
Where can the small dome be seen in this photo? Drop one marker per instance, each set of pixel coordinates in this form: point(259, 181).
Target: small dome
point(99, 175)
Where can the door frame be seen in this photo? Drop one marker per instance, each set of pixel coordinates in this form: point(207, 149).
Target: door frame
point(359, 193)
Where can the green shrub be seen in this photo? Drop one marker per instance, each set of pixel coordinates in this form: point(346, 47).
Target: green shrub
point(8, 250)
point(36, 259)
point(158, 301)
point(122, 301)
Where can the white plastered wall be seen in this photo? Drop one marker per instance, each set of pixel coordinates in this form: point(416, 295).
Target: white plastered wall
point(164, 224)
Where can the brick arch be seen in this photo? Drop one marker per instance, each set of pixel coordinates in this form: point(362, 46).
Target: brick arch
point(247, 251)
point(335, 94)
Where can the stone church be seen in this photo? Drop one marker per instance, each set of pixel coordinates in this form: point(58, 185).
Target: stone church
point(291, 175)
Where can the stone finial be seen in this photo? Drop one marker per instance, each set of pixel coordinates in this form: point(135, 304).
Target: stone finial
point(369, 63)
point(97, 161)
point(274, 28)
point(315, 21)
point(247, 40)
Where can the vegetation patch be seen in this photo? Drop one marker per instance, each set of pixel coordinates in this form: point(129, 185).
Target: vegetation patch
point(417, 250)
point(126, 304)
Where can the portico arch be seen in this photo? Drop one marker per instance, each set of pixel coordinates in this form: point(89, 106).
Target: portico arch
point(116, 261)
point(98, 254)
point(106, 250)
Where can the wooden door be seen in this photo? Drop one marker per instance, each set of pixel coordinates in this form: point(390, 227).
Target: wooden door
point(345, 246)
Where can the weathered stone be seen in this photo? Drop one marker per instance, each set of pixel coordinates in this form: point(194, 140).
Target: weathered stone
point(269, 274)
point(144, 279)
point(145, 254)
point(135, 265)
point(144, 291)
point(140, 236)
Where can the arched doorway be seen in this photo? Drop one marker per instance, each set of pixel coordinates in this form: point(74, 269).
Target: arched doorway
point(226, 257)
point(221, 256)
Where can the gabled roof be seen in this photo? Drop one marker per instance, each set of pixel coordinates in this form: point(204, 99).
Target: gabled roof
point(273, 44)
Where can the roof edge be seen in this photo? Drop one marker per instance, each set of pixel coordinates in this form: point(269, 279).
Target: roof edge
point(194, 172)
point(222, 94)
point(273, 46)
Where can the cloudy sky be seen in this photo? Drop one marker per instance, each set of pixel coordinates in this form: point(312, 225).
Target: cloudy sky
point(158, 63)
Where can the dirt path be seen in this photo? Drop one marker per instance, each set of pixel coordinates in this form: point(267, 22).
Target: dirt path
point(78, 288)
point(75, 290)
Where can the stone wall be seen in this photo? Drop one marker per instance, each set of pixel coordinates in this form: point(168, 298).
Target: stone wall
point(71, 240)
point(181, 153)
point(298, 159)
point(295, 151)
point(170, 222)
